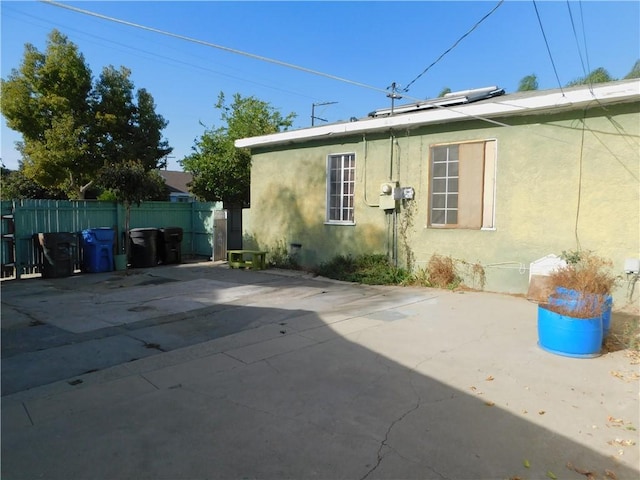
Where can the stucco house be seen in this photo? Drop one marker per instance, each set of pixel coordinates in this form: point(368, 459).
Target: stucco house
point(494, 179)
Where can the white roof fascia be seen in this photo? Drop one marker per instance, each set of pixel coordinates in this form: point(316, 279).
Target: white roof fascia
point(499, 106)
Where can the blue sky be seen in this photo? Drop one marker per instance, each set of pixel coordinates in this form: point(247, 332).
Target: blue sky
point(371, 43)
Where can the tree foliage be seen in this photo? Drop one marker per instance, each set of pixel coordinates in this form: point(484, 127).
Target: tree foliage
point(599, 75)
point(444, 91)
point(222, 172)
point(14, 185)
point(132, 182)
point(528, 83)
point(72, 129)
point(635, 71)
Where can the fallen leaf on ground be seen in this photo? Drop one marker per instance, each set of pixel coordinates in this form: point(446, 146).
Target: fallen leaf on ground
point(610, 474)
point(541, 412)
point(634, 355)
point(581, 471)
point(489, 378)
point(527, 464)
point(614, 420)
point(551, 475)
point(489, 404)
point(619, 441)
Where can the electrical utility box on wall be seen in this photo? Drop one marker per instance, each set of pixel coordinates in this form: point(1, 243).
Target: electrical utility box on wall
point(388, 199)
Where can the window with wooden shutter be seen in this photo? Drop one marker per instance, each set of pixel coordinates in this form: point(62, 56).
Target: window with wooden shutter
point(461, 185)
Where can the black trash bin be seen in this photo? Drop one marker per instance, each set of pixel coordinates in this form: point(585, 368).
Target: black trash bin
point(58, 253)
point(144, 248)
point(170, 245)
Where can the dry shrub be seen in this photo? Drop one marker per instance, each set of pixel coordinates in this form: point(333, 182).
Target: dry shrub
point(582, 286)
point(475, 272)
point(583, 305)
point(585, 272)
point(442, 272)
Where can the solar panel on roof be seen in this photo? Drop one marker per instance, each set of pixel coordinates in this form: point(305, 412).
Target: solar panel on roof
point(449, 100)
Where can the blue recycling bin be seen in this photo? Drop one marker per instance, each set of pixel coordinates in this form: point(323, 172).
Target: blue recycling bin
point(97, 246)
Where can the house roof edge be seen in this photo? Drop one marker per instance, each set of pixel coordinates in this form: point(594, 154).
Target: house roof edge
point(542, 101)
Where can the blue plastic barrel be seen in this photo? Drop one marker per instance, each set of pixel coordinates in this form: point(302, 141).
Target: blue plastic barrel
point(97, 246)
point(572, 300)
point(569, 336)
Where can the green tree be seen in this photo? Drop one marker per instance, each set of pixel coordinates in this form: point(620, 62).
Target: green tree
point(71, 129)
point(444, 91)
point(46, 101)
point(599, 75)
point(222, 172)
point(125, 128)
point(528, 83)
point(130, 181)
point(14, 185)
point(635, 71)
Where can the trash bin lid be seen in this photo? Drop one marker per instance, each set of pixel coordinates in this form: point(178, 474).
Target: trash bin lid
point(143, 232)
point(101, 234)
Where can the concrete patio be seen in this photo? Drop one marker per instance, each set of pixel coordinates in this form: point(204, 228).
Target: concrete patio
point(197, 371)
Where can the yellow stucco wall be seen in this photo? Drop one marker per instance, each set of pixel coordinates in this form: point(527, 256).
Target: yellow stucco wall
point(545, 167)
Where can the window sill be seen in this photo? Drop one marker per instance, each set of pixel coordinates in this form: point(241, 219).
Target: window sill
point(340, 223)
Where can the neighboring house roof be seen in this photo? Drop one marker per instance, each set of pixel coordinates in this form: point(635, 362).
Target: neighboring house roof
point(176, 181)
point(491, 109)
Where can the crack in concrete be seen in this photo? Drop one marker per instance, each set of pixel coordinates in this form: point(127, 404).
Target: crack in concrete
point(383, 443)
point(26, 410)
point(27, 314)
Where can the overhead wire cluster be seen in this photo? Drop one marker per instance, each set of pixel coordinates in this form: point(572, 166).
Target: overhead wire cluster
point(456, 43)
point(142, 53)
point(324, 74)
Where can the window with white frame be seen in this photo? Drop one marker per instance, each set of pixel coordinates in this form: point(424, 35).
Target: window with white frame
point(462, 185)
point(341, 181)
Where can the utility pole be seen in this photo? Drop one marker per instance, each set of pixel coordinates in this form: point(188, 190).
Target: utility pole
point(313, 111)
point(393, 95)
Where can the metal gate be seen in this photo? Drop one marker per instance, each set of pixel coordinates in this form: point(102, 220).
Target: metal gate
point(220, 232)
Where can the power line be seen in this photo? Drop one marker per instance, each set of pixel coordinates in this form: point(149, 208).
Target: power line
point(256, 57)
point(547, 44)
point(143, 54)
point(212, 45)
point(406, 89)
point(575, 35)
point(307, 70)
point(584, 38)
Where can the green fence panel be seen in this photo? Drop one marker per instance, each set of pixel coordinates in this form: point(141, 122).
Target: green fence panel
point(31, 217)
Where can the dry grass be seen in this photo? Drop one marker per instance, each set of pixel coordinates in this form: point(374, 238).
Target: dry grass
point(442, 272)
point(582, 286)
point(446, 272)
point(577, 306)
point(586, 272)
point(624, 334)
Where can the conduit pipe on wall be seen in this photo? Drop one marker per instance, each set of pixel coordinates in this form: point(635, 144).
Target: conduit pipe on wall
point(522, 268)
point(392, 250)
point(364, 173)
